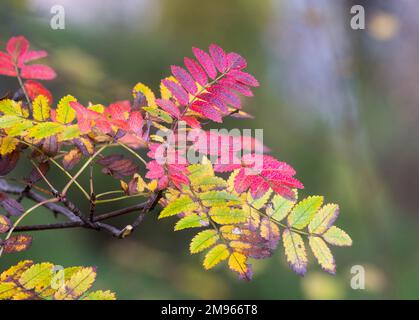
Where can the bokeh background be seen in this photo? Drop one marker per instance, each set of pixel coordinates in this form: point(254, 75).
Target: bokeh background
point(340, 105)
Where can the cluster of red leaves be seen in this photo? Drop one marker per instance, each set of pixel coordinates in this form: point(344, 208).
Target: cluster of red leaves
point(208, 87)
point(117, 118)
point(13, 62)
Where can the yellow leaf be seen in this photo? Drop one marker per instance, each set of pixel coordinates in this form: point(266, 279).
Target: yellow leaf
point(146, 91)
point(100, 295)
point(323, 254)
point(324, 218)
point(8, 144)
point(45, 129)
point(295, 251)
point(69, 132)
point(227, 215)
point(77, 285)
point(41, 108)
point(203, 240)
point(237, 262)
point(215, 256)
point(37, 277)
point(182, 204)
point(65, 113)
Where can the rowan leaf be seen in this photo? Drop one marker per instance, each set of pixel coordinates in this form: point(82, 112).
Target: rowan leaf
point(206, 62)
point(41, 108)
point(227, 215)
point(337, 237)
point(158, 113)
point(324, 218)
point(304, 211)
point(16, 243)
point(8, 121)
point(77, 285)
point(184, 79)
point(182, 204)
point(237, 262)
point(19, 129)
point(191, 221)
point(177, 91)
point(37, 277)
point(146, 91)
point(323, 254)
point(280, 207)
point(217, 198)
point(5, 224)
point(11, 107)
point(69, 133)
point(203, 240)
point(100, 295)
point(196, 71)
point(8, 145)
point(216, 255)
point(45, 129)
point(65, 113)
point(295, 251)
point(219, 57)
point(71, 158)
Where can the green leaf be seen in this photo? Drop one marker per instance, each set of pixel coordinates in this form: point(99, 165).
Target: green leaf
point(37, 277)
point(100, 295)
point(65, 113)
point(20, 128)
point(8, 121)
point(323, 254)
point(191, 221)
point(215, 256)
point(226, 215)
point(41, 108)
point(295, 251)
point(77, 285)
point(45, 129)
point(158, 113)
point(11, 107)
point(323, 219)
point(280, 208)
point(337, 237)
point(260, 202)
point(181, 204)
point(216, 198)
point(69, 132)
point(304, 211)
point(203, 240)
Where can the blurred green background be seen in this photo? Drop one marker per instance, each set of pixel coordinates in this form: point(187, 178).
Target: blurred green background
point(340, 105)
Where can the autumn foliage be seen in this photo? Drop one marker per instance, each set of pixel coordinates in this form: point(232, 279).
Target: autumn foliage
point(242, 200)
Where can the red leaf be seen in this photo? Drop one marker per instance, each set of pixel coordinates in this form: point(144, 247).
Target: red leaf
point(236, 61)
point(155, 170)
point(184, 79)
point(206, 62)
point(231, 83)
point(261, 172)
point(192, 122)
point(34, 89)
point(196, 71)
point(136, 122)
point(118, 110)
point(219, 57)
point(84, 116)
point(32, 55)
point(17, 47)
point(207, 110)
point(214, 100)
point(169, 107)
point(37, 71)
point(178, 92)
point(6, 65)
point(226, 95)
point(244, 77)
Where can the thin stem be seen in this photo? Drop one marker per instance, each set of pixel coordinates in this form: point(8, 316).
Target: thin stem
point(121, 198)
point(57, 165)
point(133, 152)
point(54, 191)
point(25, 214)
point(100, 195)
point(73, 179)
point(22, 86)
